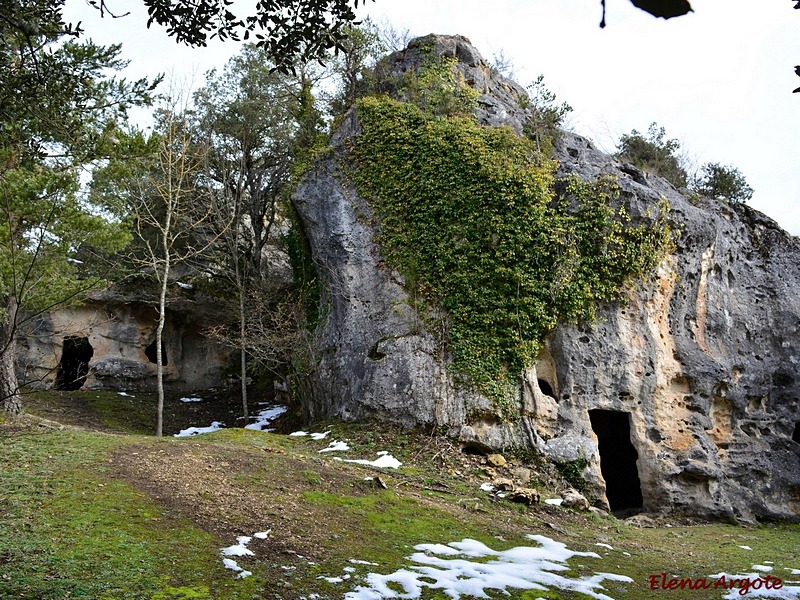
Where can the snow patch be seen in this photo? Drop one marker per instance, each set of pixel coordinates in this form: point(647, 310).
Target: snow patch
point(386, 461)
point(446, 567)
point(216, 425)
point(239, 549)
point(789, 591)
point(554, 501)
point(234, 566)
point(319, 436)
point(265, 417)
point(763, 568)
point(336, 447)
point(487, 487)
point(745, 547)
point(126, 394)
point(604, 546)
point(298, 434)
point(195, 399)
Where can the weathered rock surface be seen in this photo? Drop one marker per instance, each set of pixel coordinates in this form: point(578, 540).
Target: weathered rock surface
point(119, 329)
point(701, 361)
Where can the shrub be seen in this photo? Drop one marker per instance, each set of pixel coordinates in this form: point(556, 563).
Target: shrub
point(721, 181)
point(653, 154)
point(547, 115)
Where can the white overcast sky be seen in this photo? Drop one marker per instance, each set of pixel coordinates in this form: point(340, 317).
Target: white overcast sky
point(719, 79)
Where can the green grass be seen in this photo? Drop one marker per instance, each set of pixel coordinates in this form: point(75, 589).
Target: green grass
point(71, 528)
point(67, 530)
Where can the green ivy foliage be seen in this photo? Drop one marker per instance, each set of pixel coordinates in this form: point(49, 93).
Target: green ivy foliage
point(476, 221)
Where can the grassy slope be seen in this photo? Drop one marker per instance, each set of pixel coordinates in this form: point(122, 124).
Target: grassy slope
point(85, 514)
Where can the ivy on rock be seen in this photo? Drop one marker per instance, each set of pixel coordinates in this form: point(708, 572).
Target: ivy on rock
point(485, 233)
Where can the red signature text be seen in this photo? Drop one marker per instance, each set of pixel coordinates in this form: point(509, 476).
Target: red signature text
point(662, 581)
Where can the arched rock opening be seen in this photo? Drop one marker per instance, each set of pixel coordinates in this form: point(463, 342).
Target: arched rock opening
point(150, 353)
point(74, 365)
point(546, 389)
point(617, 460)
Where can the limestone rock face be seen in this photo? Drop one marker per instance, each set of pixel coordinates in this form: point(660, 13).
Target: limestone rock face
point(695, 376)
point(118, 336)
point(703, 357)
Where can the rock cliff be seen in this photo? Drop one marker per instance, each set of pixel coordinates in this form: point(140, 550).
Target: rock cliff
point(686, 397)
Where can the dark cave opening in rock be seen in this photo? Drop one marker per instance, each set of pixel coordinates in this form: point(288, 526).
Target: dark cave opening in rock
point(74, 365)
point(150, 353)
point(546, 388)
point(475, 449)
point(796, 434)
point(618, 460)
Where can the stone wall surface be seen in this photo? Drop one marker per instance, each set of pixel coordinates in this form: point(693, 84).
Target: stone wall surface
point(703, 355)
point(119, 331)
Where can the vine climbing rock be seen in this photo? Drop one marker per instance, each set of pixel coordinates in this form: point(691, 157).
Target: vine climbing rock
point(681, 397)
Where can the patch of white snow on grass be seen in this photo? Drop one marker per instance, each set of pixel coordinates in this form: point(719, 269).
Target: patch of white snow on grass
point(554, 501)
point(216, 425)
point(265, 417)
point(262, 535)
point(126, 394)
point(449, 568)
point(604, 546)
point(234, 566)
point(487, 487)
point(756, 586)
point(298, 434)
point(764, 568)
point(319, 436)
point(239, 549)
point(745, 547)
point(355, 561)
point(194, 399)
point(386, 461)
point(336, 447)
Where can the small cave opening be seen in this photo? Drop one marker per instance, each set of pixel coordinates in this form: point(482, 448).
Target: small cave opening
point(150, 353)
point(618, 460)
point(546, 389)
point(475, 449)
point(796, 433)
point(76, 352)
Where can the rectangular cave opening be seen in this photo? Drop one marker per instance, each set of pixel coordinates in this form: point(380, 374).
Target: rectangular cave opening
point(618, 460)
point(796, 433)
point(73, 367)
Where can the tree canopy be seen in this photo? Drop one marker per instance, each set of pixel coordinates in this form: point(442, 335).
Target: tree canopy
point(60, 113)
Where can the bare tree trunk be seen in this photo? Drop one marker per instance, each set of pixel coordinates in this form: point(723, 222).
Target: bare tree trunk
point(162, 306)
point(162, 315)
point(9, 388)
point(242, 352)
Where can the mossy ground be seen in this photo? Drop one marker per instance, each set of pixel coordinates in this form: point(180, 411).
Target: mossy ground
point(88, 513)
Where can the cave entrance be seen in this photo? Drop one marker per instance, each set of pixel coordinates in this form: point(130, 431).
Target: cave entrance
point(618, 460)
point(150, 353)
point(796, 433)
point(546, 389)
point(74, 365)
